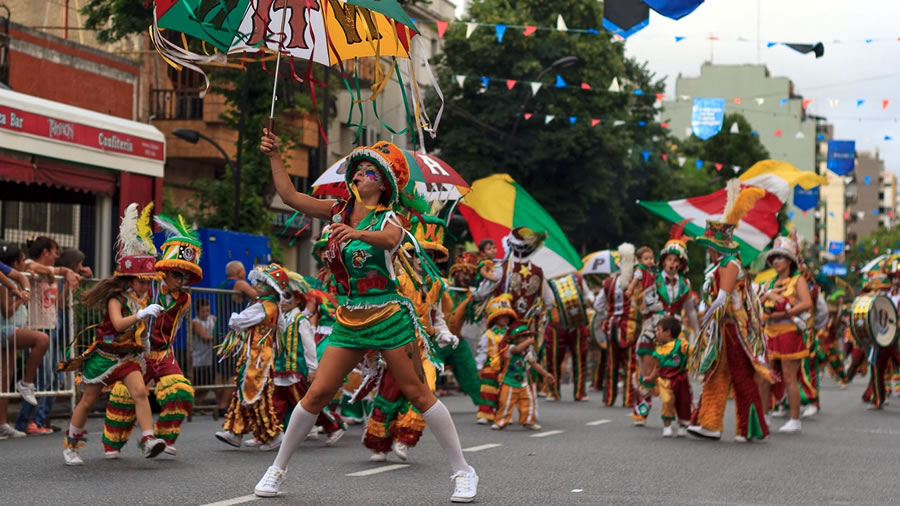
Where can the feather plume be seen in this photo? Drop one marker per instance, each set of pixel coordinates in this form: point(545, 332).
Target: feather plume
point(175, 228)
point(626, 264)
point(732, 190)
point(676, 233)
point(143, 229)
point(130, 242)
point(743, 204)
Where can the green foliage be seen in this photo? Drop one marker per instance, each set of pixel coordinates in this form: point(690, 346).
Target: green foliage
point(742, 149)
point(587, 177)
point(117, 19)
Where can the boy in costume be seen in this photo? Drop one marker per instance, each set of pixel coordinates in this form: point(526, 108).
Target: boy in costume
point(670, 376)
point(179, 264)
point(517, 391)
point(500, 314)
point(565, 332)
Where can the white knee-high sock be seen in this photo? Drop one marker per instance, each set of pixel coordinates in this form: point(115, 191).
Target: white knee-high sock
point(441, 424)
point(300, 425)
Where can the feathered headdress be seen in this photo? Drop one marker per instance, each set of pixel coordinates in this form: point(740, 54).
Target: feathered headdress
point(676, 245)
point(182, 248)
point(739, 201)
point(136, 253)
point(626, 264)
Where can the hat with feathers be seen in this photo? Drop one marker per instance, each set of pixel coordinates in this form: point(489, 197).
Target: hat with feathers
point(676, 245)
point(719, 235)
point(136, 254)
point(181, 250)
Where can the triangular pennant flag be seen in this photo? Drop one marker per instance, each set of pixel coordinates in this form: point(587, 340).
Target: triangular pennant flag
point(572, 120)
point(548, 118)
point(688, 131)
point(718, 167)
point(441, 28)
point(594, 122)
point(771, 44)
point(736, 100)
point(510, 84)
point(778, 132)
point(800, 135)
point(529, 30)
point(736, 168)
point(782, 102)
point(585, 86)
point(618, 122)
point(805, 103)
point(660, 97)
point(534, 88)
point(500, 29)
point(559, 81)
point(859, 103)
point(485, 81)
point(460, 80)
point(528, 116)
point(624, 18)
point(684, 97)
point(638, 93)
point(614, 86)
point(832, 102)
point(646, 155)
point(664, 156)
point(885, 103)
point(561, 23)
point(817, 48)
point(679, 38)
point(735, 129)
point(470, 27)
point(699, 164)
point(664, 124)
point(760, 101)
point(888, 138)
point(681, 160)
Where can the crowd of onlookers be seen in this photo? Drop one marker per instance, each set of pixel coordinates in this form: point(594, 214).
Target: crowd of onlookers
point(36, 280)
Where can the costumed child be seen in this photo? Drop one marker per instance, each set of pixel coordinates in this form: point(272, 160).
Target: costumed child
point(296, 363)
point(179, 263)
point(122, 338)
point(499, 314)
point(253, 339)
point(516, 390)
point(487, 249)
point(670, 375)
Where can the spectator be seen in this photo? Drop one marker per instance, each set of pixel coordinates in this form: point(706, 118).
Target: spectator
point(73, 258)
point(43, 316)
point(13, 313)
point(235, 279)
point(204, 329)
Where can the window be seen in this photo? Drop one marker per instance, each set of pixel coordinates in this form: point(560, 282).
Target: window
point(22, 220)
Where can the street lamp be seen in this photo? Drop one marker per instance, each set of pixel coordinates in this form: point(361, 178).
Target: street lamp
point(565, 61)
point(193, 136)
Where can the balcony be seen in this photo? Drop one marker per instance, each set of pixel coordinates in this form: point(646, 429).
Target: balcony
point(181, 104)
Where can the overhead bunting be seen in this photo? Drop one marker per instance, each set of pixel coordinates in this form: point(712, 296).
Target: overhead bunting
point(806, 199)
point(818, 49)
point(625, 17)
point(841, 157)
point(675, 9)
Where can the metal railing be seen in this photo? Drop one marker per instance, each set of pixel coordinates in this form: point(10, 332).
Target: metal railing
point(184, 104)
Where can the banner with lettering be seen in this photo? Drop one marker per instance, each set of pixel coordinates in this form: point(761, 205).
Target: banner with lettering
point(841, 157)
point(707, 116)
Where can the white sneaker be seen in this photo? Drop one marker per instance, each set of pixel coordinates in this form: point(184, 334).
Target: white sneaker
point(703, 433)
point(170, 450)
point(273, 444)
point(378, 457)
point(334, 437)
point(251, 443)
point(8, 431)
point(152, 446)
point(533, 426)
point(73, 458)
point(27, 392)
point(809, 411)
point(779, 412)
point(483, 421)
point(740, 439)
point(792, 426)
point(495, 427)
point(112, 454)
point(682, 431)
point(401, 449)
point(270, 483)
point(229, 438)
point(668, 432)
point(313, 433)
point(465, 486)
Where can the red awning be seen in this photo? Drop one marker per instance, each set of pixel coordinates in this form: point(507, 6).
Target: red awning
point(50, 174)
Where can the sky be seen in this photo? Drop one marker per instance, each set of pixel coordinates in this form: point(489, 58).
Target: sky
point(851, 69)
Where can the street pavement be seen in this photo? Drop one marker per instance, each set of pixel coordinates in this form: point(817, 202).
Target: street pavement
point(585, 454)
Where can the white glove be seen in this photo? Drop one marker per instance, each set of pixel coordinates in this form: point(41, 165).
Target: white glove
point(152, 310)
point(445, 339)
point(718, 303)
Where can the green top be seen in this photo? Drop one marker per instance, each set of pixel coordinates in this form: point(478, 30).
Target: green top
point(672, 355)
point(291, 358)
point(516, 374)
point(370, 269)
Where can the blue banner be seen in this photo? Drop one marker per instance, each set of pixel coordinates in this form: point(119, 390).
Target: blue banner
point(834, 269)
point(835, 247)
point(707, 116)
point(675, 9)
point(841, 157)
point(806, 199)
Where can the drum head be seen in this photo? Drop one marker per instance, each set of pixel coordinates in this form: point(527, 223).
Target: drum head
point(883, 321)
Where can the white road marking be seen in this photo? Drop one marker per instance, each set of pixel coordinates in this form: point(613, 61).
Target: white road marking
point(548, 433)
point(577, 490)
point(236, 500)
point(599, 422)
point(482, 447)
point(382, 469)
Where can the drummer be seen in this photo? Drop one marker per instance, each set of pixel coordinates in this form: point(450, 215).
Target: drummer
point(786, 302)
point(884, 359)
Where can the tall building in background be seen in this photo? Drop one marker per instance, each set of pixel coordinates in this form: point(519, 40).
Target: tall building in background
point(888, 198)
point(864, 196)
point(768, 103)
point(831, 227)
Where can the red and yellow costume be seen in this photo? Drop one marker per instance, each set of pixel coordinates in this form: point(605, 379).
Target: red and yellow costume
point(488, 359)
point(563, 335)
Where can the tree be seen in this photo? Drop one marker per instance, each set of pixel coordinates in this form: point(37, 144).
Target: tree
point(588, 177)
point(214, 202)
point(742, 149)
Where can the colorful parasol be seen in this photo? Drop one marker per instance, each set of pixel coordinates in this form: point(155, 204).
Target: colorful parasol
point(434, 178)
point(601, 262)
point(497, 204)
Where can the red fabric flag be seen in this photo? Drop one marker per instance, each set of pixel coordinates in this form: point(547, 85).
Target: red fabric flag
point(664, 124)
point(778, 133)
point(719, 166)
point(510, 84)
point(885, 103)
point(806, 102)
point(660, 97)
point(585, 86)
point(441, 27)
point(527, 116)
point(736, 100)
point(594, 122)
point(665, 157)
point(529, 30)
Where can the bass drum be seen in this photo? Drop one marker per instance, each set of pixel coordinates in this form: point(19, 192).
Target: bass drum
point(873, 320)
point(569, 301)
